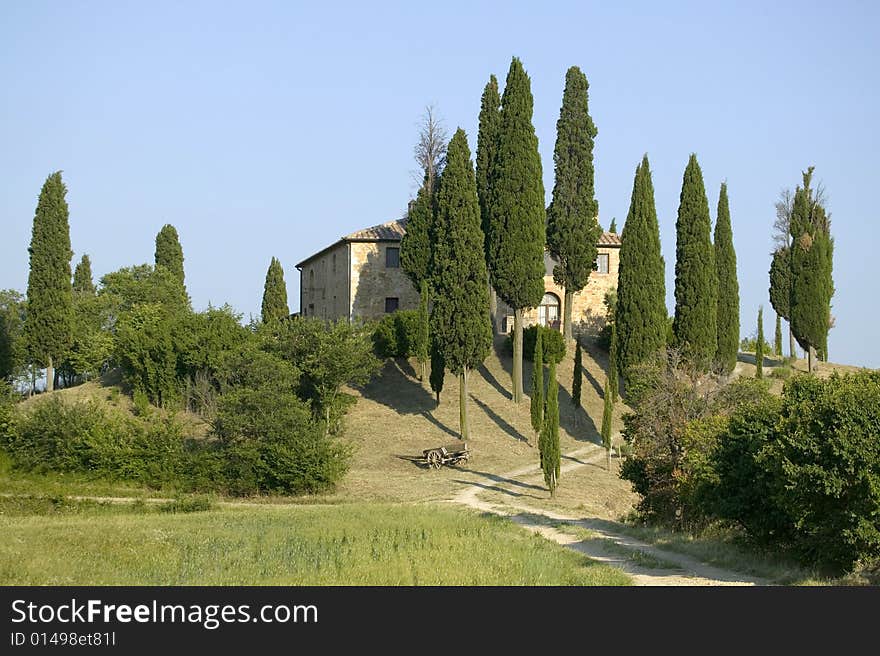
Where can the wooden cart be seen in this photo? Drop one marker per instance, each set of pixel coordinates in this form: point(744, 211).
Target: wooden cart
point(451, 454)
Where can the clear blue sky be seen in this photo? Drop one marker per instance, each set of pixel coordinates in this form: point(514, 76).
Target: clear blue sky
point(262, 129)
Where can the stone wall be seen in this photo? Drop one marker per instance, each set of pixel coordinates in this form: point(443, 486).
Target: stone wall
point(372, 282)
point(324, 281)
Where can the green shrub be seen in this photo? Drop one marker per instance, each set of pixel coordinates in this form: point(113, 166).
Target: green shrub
point(552, 344)
point(397, 334)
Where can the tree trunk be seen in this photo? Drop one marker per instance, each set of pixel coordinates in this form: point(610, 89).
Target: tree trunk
point(566, 315)
point(791, 343)
point(608, 458)
point(517, 355)
point(50, 376)
point(811, 359)
point(462, 405)
point(493, 309)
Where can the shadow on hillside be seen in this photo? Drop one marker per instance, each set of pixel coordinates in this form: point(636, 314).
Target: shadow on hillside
point(499, 421)
point(501, 480)
point(395, 388)
point(751, 358)
point(498, 488)
point(490, 378)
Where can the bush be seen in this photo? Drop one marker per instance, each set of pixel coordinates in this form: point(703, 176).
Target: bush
point(397, 334)
point(552, 343)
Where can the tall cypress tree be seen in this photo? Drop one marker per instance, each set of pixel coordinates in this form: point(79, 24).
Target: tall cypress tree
point(612, 364)
point(640, 314)
point(415, 247)
point(613, 227)
point(460, 315)
point(487, 146)
point(48, 325)
point(780, 288)
point(727, 344)
point(537, 401)
point(777, 338)
point(811, 264)
point(577, 377)
point(516, 199)
point(82, 277)
point(696, 279)
point(274, 306)
point(572, 219)
point(607, 412)
point(423, 339)
point(759, 345)
point(548, 442)
point(438, 369)
point(169, 253)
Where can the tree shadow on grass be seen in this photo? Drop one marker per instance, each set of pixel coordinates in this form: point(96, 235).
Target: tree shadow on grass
point(498, 488)
point(501, 480)
point(499, 421)
point(439, 424)
point(490, 378)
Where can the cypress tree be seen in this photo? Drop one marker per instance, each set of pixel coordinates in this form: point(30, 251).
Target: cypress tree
point(537, 401)
point(577, 377)
point(612, 364)
point(487, 145)
point(696, 279)
point(415, 247)
point(780, 289)
point(82, 277)
point(727, 345)
point(607, 412)
point(460, 315)
point(613, 227)
point(811, 265)
point(640, 316)
point(48, 325)
point(572, 219)
point(274, 306)
point(423, 344)
point(517, 211)
point(169, 253)
point(438, 370)
point(777, 338)
point(759, 345)
point(548, 443)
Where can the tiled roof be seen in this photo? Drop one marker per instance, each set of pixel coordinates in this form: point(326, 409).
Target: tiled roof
point(609, 239)
point(390, 230)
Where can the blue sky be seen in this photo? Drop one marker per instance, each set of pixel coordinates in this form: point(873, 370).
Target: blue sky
point(270, 129)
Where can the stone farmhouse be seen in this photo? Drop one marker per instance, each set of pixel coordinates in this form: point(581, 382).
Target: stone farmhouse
point(359, 277)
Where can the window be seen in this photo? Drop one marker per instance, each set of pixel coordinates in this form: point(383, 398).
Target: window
point(311, 311)
point(391, 303)
point(602, 263)
point(548, 311)
point(392, 257)
point(334, 262)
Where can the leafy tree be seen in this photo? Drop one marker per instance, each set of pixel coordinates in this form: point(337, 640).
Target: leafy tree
point(613, 227)
point(169, 253)
point(274, 306)
point(122, 290)
point(759, 345)
point(777, 339)
point(12, 347)
point(48, 325)
point(548, 443)
point(537, 401)
point(487, 145)
point(572, 219)
point(696, 278)
point(640, 311)
point(82, 277)
point(811, 264)
point(577, 380)
point(460, 316)
point(607, 412)
point(728, 287)
point(145, 349)
point(438, 370)
point(517, 214)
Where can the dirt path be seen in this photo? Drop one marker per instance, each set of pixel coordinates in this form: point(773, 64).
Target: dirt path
point(647, 564)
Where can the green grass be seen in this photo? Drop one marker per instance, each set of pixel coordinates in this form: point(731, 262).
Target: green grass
point(357, 544)
point(640, 558)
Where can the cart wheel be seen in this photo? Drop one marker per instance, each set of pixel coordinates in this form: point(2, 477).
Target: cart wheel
point(433, 459)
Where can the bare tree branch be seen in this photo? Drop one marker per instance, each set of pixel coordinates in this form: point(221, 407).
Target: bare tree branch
point(430, 151)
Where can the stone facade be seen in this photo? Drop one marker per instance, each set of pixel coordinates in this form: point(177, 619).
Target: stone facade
point(359, 277)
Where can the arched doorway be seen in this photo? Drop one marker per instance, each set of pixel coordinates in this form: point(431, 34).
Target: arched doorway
point(548, 311)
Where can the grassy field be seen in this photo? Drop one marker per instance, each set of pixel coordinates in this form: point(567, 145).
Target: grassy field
point(356, 544)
